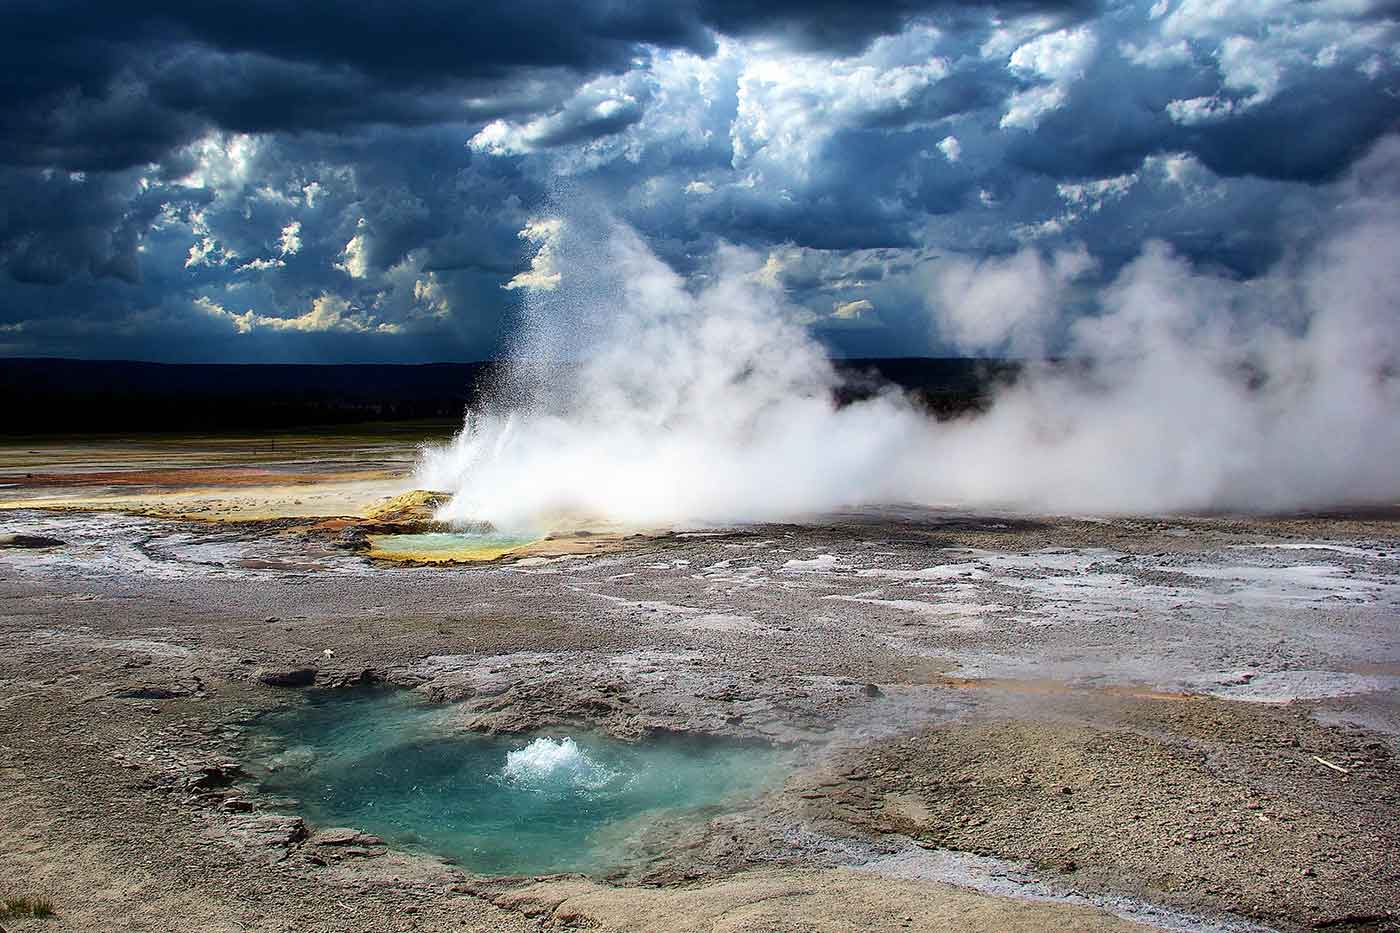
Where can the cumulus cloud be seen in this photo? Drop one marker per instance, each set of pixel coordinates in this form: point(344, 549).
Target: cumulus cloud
point(261, 265)
point(219, 161)
point(789, 104)
point(327, 313)
point(413, 294)
point(355, 256)
point(543, 274)
point(853, 310)
point(1195, 110)
point(600, 108)
point(1058, 59)
point(202, 253)
point(289, 243)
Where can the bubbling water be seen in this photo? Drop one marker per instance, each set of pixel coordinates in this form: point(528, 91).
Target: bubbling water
point(555, 764)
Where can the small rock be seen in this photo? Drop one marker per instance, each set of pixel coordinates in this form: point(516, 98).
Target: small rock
point(29, 541)
point(272, 830)
point(871, 690)
point(209, 776)
point(358, 852)
point(344, 836)
point(287, 676)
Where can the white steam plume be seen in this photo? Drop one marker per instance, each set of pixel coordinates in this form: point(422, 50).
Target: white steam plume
point(640, 398)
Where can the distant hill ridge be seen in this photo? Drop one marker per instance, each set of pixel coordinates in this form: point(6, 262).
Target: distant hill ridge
point(48, 396)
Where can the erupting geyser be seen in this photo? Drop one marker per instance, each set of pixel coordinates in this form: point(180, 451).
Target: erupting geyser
point(639, 396)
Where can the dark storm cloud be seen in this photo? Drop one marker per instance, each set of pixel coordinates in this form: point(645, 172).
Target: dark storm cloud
point(1309, 133)
point(105, 86)
point(842, 26)
point(1342, 114)
point(977, 86)
point(54, 225)
point(100, 85)
point(350, 179)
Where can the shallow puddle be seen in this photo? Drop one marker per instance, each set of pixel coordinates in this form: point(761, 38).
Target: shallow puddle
point(387, 763)
point(444, 546)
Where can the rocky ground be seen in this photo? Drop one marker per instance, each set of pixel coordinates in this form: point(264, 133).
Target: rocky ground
point(1003, 722)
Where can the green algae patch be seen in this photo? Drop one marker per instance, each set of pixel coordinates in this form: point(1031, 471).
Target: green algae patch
point(439, 547)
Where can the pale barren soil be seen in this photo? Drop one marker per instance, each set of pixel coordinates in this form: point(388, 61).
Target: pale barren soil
point(1003, 722)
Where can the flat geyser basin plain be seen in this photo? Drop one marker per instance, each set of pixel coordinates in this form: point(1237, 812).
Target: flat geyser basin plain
point(396, 766)
point(218, 708)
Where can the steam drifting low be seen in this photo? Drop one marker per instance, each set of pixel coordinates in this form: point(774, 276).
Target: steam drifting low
point(637, 396)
